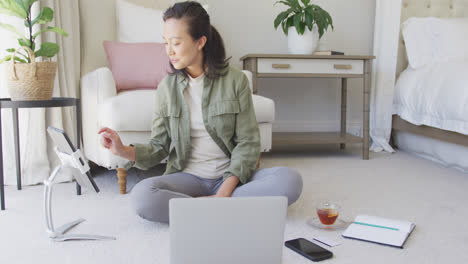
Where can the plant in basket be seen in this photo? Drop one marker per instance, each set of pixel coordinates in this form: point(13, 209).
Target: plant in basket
point(28, 79)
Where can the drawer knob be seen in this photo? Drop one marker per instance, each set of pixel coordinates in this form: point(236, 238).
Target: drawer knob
point(342, 66)
point(281, 66)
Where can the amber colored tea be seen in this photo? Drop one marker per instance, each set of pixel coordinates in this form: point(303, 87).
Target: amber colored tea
point(327, 216)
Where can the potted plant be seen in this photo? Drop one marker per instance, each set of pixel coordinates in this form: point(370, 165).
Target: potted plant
point(303, 24)
point(28, 79)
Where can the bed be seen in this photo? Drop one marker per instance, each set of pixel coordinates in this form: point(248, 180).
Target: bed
point(430, 108)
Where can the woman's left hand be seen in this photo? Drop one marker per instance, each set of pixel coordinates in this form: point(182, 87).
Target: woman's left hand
point(226, 189)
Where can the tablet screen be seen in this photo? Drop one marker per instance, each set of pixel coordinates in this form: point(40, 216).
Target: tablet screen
point(63, 144)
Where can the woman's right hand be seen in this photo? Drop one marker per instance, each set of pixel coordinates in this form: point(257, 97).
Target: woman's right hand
point(111, 140)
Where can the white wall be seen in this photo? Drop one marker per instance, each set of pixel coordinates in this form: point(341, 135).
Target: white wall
point(301, 104)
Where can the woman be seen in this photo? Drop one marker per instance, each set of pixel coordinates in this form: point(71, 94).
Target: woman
point(204, 123)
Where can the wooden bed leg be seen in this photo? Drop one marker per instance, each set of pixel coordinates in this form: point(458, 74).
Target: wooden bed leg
point(122, 180)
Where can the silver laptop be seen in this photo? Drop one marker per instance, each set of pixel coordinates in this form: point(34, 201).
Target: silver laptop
point(244, 230)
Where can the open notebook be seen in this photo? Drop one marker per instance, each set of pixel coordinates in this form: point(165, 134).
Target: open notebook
point(379, 230)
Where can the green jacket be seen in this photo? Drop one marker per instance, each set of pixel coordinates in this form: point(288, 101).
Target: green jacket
point(228, 115)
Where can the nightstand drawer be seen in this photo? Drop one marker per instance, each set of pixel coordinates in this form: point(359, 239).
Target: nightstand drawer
point(310, 66)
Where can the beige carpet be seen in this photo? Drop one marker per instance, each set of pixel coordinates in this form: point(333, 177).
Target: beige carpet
point(396, 185)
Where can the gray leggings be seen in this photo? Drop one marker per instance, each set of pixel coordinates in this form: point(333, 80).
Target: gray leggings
point(150, 197)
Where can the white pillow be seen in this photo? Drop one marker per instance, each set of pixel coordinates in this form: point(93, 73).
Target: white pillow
point(431, 40)
point(422, 40)
point(139, 24)
point(454, 43)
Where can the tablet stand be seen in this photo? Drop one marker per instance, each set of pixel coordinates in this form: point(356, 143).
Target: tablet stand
point(72, 161)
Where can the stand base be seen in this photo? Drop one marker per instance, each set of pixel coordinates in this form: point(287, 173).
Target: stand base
point(59, 234)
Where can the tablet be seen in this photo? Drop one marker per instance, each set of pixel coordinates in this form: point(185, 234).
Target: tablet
point(64, 145)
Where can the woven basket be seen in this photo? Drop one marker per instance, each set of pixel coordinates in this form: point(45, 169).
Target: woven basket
point(31, 81)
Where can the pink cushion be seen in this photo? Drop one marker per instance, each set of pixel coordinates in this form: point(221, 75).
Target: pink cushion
point(137, 65)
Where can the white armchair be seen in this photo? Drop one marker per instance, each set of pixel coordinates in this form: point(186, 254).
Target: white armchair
point(130, 113)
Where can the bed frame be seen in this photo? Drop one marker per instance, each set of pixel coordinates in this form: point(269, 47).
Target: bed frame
point(426, 8)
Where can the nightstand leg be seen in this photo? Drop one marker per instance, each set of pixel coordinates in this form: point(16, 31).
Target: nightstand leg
point(365, 117)
point(344, 87)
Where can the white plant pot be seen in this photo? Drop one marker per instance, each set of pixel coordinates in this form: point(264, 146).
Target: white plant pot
point(303, 44)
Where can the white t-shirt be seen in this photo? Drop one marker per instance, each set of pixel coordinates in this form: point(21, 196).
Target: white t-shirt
point(206, 160)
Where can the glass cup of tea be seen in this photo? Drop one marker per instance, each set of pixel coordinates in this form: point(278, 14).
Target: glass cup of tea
point(327, 212)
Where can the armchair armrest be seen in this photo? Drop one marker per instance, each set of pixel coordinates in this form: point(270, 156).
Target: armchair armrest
point(98, 84)
point(96, 87)
point(249, 77)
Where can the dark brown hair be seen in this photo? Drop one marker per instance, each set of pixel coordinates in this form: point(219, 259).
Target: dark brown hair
point(214, 62)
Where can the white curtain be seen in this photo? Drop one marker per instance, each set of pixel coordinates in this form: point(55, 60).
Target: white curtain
point(37, 155)
point(386, 32)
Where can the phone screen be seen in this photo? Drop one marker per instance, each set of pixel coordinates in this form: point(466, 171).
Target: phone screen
point(308, 249)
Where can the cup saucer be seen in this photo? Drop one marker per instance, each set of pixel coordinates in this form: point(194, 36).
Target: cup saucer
point(338, 225)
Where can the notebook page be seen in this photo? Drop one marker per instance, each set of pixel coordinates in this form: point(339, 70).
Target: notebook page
point(404, 226)
point(375, 234)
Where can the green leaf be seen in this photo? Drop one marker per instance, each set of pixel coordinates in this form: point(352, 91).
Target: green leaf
point(24, 42)
point(19, 52)
point(282, 17)
point(46, 15)
point(12, 50)
point(289, 23)
point(8, 58)
point(330, 20)
point(27, 43)
point(12, 8)
point(291, 3)
point(48, 49)
point(284, 3)
point(53, 29)
point(297, 5)
point(305, 2)
point(302, 28)
point(309, 19)
point(28, 3)
point(25, 56)
point(297, 23)
point(5, 59)
point(11, 29)
point(321, 24)
point(319, 17)
point(310, 10)
point(19, 59)
point(25, 4)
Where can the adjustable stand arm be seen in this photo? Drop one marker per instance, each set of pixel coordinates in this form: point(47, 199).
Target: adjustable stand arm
point(76, 160)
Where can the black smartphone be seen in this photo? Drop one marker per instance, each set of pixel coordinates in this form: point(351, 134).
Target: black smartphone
point(308, 249)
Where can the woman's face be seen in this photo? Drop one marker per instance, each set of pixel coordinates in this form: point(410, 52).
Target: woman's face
point(183, 51)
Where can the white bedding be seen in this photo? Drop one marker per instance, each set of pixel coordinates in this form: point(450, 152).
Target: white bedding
point(435, 95)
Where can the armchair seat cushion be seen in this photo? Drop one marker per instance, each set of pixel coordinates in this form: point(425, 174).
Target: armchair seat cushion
point(128, 111)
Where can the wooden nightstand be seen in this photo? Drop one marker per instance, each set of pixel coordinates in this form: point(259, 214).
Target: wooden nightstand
point(334, 66)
